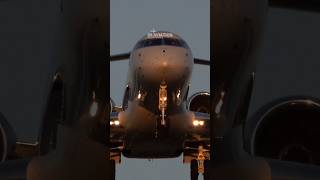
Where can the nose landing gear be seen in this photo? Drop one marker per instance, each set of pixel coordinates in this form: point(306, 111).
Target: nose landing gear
point(200, 159)
point(200, 165)
point(163, 102)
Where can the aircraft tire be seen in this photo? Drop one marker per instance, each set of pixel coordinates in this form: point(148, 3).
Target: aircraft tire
point(194, 169)
point(206, 174)
point(112, 170)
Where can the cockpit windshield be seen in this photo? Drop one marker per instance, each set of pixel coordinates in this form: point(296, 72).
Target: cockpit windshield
point(161, 41)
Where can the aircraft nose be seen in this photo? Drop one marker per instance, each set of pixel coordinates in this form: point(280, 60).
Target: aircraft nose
point(164, 65)
point(170, 69)
point(159, 64)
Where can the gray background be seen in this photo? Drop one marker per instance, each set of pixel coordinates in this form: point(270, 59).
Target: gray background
point(130, 20)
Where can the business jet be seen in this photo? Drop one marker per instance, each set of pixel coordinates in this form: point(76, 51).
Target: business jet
point(157, 119)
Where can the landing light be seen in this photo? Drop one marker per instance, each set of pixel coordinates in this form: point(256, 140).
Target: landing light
point(197, 123)
point(114, 123)
point(117, 123)
point(201, 123)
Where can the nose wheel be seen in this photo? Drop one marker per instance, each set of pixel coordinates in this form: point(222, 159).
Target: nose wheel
point(200, 165)
point(194, 169)
point(112, 170)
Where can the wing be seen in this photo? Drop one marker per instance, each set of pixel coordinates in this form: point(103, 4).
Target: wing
point(126, 56)
point(202, 61)
point(120, 57)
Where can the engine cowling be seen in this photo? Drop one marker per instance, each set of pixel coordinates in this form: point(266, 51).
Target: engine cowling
point(112, 104)
point(7, 139)
point(286, 129)
point(199, 102)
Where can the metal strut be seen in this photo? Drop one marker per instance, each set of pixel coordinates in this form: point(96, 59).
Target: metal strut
point(163, 101)
point(200, 159)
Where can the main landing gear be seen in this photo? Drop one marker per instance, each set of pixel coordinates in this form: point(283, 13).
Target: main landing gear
point(112, 171)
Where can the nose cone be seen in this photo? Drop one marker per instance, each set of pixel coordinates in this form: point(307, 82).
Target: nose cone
point(171, 70)
point(163, 63)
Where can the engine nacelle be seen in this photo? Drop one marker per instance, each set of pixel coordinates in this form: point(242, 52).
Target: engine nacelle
point(286, 129)
point(112, 104)
point(7, 139)
point(199, 102)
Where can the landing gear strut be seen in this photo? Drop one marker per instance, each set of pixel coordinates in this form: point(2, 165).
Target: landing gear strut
point(194, 173)
point(163, 101)
point(200, 165)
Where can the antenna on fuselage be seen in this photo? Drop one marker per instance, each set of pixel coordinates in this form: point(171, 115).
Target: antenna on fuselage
point(153, 30)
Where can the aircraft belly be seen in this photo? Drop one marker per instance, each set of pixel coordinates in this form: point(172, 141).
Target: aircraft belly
point(145, 139)
point(139, 119)
point(148, 146)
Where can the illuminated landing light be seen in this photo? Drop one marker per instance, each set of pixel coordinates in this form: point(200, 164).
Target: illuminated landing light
point(139, 95)
point(117, 123)
point(197, 123)
point(201, 123)
point(94, 108)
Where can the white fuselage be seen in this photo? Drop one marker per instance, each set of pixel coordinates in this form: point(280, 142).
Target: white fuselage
point(156, 118)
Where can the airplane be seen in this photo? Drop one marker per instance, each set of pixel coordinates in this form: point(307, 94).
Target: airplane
point(236, 32)
point(156, 118)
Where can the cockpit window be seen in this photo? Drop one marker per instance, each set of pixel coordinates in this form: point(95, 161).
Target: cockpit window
point(184, 44)
point(171, 42)
point(161, 41)
point(139, 45)
point(153, 42)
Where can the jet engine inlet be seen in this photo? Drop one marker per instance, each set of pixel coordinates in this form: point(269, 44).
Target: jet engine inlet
point(199, 102)
point(288, 130)
point(7, 139)
point(112, 104)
